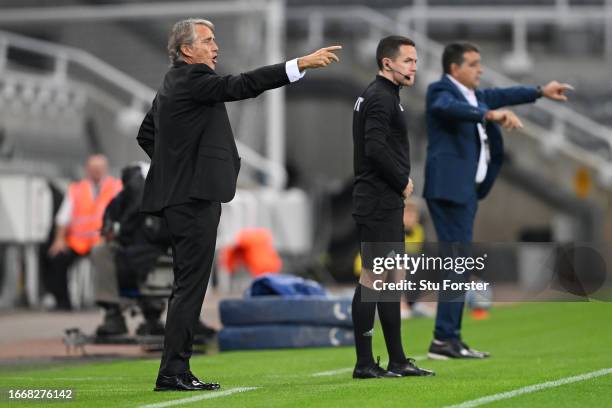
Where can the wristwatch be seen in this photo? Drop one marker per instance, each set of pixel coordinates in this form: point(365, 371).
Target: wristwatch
point(540, 92)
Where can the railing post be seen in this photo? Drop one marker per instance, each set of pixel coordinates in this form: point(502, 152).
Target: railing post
point(518, 61)
point(316, 26)
point(420, 22)
point(404, 20)
point(32, 284)
point(275, 99)
point(61, 68)
point(552, 141)
point(605, 175)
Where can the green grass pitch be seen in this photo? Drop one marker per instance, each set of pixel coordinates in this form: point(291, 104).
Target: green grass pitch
point(530, 343)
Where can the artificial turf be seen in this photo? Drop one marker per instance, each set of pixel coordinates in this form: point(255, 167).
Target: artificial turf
point(530, 344)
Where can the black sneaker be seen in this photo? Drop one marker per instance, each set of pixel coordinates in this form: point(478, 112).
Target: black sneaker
point(453, 348)
point(373, 371)
point(409, 369)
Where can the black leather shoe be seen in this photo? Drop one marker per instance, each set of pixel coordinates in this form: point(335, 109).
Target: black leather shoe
point(207, 386)
point(373, 371)
point(483, 354)
point(409, 369)
point(183, 382)
point(453, 348)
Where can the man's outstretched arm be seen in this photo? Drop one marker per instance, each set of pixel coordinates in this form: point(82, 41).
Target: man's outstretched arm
point(516, 95)
point(446, 106)
point(208, 87)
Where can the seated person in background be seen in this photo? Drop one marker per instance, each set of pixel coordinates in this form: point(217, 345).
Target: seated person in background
point(132, 244)
point(77, 226)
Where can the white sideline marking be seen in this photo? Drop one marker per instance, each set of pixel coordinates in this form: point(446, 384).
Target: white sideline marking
point(531, 388)
point(348, 369)
point(332, 372)
point(66, 378)
point(209, 395)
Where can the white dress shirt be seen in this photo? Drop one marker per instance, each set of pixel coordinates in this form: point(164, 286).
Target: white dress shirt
point(293, 72)
point(485, 152)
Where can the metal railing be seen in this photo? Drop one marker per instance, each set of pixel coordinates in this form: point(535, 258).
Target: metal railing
point(140, 94)
point(420, 14)
point(555, 138)
point(63, 56)
point(552, 138)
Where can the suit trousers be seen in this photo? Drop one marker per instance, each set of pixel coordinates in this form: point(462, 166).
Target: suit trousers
point(454, 225)
point(56, 277)
point(193, 233)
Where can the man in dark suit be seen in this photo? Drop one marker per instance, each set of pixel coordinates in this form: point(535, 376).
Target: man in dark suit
point(464, 156)
point(382, 182)
point(194, 167)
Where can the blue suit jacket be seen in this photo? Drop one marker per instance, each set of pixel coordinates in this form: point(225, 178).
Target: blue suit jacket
point(453, 142)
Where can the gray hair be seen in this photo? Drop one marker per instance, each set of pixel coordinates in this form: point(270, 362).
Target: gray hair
point(183, 32)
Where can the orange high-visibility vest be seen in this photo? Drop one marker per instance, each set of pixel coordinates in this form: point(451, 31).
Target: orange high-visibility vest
point(86, 221)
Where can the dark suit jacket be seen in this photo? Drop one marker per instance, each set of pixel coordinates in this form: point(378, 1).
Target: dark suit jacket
point(187, 133)
point(453, 142)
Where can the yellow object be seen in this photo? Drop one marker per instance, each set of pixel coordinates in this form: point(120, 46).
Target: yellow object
point(413, 242)
point(582, 182)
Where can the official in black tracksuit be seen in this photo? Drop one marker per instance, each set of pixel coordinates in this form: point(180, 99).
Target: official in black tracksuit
point(194, 167)
point(382, 182)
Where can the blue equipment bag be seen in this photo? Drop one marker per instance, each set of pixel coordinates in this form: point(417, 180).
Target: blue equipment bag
point(283, 336)
point(310, 310)
point(285, 286)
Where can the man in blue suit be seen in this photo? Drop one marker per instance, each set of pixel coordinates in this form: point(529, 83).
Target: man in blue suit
point(464, 155)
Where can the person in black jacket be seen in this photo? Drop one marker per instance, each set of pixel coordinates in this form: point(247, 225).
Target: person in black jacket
point(382, 183)
point(194, 167)
point(132, 243)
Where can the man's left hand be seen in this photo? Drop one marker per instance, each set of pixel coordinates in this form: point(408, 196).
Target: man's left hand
point(556, 91)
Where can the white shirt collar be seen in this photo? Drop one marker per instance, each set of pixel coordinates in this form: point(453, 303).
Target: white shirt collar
point(467, 92)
